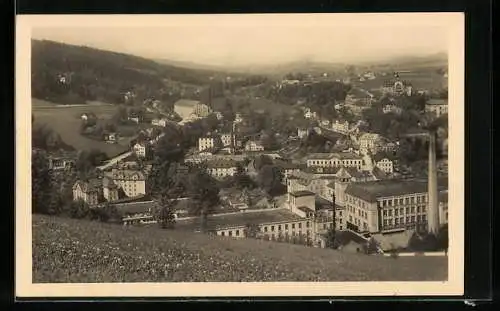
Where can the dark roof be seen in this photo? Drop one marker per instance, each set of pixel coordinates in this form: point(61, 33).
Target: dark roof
point(345, 237)
point(371, 191)
point(304, 209)
point(221, 164)
point(378, 173)
point(135, 207)
point(302, 193)
point(321, 170)
point(241, 219)
point(437, 101)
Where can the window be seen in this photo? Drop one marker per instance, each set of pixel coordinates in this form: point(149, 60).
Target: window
point(272, 228)
point(397, 221)
point(230, 233)
point(418, 209)
point(286, 226)
point(237, 232)
point(407, 210)
point(279, 227)
point(412, 218)
point(307, 224)
point(385, 213)
point(222, 233)
point(406, 200)
point(324, 226)
point(390, 212)
point(265, 229)
point(400, 201)
point(413, 209)
point(396, 212)
point(340, 213)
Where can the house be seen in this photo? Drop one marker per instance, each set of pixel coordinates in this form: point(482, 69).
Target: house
point(253, 145)
point(238, 118)
point(89, 191)
point(134, 119)
point(227, 139)
point(132, 181)
point(220, 169)
point(140, 150)
point(341, 126)
point(438, 107)
point(159, 122)
point(303, 132)
point(392, 108)
point(387, 205)
point(219, 115)
point(386, 165)
point(309, 114)
point(287, 168)
point(60, 163)
point(111, 138)
point(208, 142)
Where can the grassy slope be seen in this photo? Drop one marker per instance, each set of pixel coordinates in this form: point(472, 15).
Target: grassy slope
point(66, 250)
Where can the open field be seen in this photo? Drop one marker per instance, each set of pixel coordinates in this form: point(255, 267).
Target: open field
point(68, 250)
point(65, 120)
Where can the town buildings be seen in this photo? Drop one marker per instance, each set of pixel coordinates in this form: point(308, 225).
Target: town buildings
point(438, 107)
point(303, 132)
point(191, 109)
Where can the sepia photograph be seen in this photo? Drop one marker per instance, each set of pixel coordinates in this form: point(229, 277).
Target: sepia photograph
point(240, 155)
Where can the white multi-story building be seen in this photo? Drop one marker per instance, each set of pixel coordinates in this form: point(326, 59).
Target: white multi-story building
point(340, 126)
point(206, 143)
point(159, 122)
point(387, 206)
point(227, 139)
point(140, 150)
point(302, 132)
point(220, 169)
point(133, 182)
point(386, 165)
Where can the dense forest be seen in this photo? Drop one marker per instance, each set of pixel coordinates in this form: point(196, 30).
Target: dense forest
point(71, 74)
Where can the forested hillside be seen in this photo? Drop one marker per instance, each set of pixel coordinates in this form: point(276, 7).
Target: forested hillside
point(69, 74)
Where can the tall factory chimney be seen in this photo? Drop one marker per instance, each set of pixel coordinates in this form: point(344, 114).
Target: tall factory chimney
point(433, 204)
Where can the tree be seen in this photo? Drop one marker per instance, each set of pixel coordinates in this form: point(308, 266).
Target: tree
point(442, 238)
point(41, 183)
point(371, 246)
point(330, 240)
point(79, 209)
point(270, 177)
point(204, 193)
point(241, 179)
point(166, 217)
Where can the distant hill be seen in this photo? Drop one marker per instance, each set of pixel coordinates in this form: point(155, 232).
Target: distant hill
point(87, 252)
point(65, 73)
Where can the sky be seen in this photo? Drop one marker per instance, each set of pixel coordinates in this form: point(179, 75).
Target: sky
point(238, 40)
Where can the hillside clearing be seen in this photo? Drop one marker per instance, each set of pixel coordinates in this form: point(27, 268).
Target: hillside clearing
point(68, 250)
